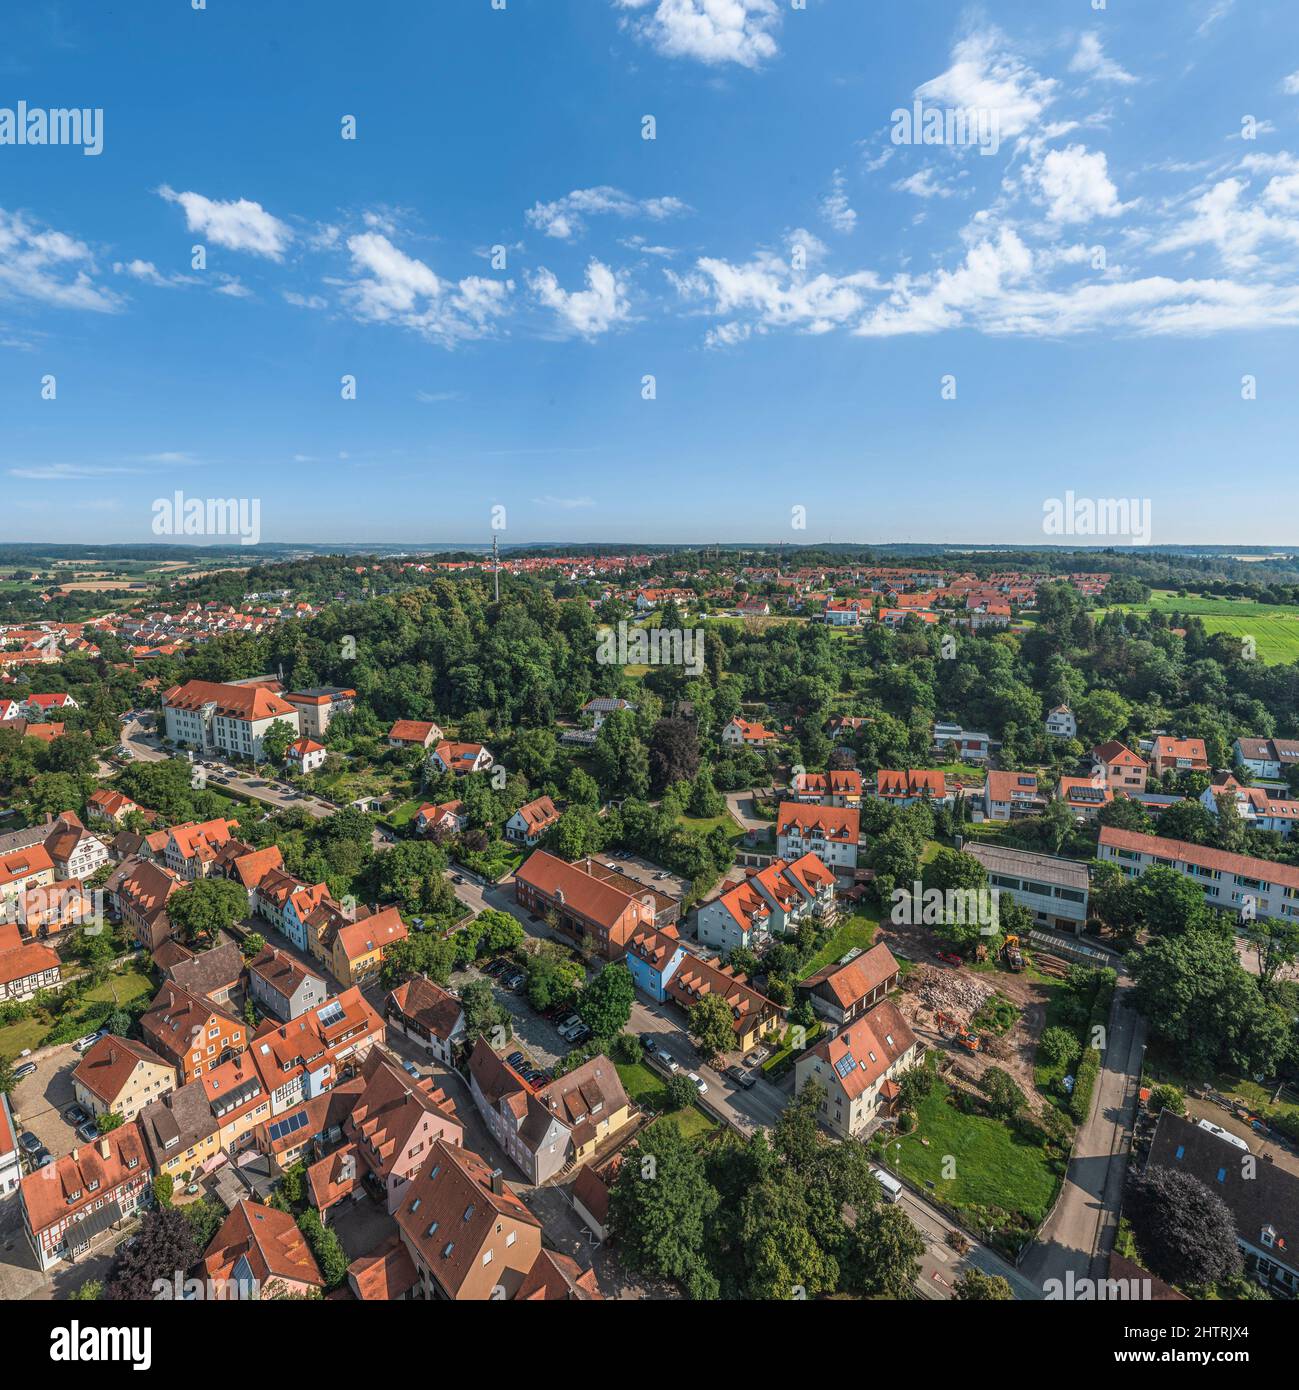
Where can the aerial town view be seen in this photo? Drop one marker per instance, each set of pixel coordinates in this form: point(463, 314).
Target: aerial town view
point(649, 651)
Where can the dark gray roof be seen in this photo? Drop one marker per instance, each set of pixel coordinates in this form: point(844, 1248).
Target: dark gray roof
point(209, 971)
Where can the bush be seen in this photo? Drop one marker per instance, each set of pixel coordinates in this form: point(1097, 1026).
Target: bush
point(1166, 1097)
point(1084, 1083)
point(1058, 1047)
point(626, 1048)
point(681, 1091)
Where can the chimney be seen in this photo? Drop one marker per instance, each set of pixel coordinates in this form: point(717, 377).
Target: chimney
point(105, 1148)
point(73, 1155)
point(498, 1181)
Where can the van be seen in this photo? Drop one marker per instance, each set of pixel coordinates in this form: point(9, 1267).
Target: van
point(1224, 1134)
point(892, 1188)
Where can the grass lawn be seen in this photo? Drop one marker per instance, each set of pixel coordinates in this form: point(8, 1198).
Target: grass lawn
point(858, 931)
point(704, 824)
point(693, 1122)
point(783, 1057)
point(990, 1166)
point(501, 857)
point(120, 989)
point(647, 1089)
point(405, 813)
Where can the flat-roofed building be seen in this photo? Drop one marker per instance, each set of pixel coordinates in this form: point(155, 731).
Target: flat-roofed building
point(1054, 890)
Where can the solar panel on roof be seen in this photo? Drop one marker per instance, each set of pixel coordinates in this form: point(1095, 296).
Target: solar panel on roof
point(283, 1128)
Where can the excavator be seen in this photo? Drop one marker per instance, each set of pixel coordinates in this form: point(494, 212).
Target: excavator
point(953, 1028)
point(1012, 955)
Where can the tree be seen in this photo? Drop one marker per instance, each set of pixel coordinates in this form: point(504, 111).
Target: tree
point(483, 1015)
point(325, 1246)
point(89, 1292)
point(1005, 1099)
point(673, 752)
point(659, 1207)
point(1183, 1230)
point(253, 945)
point(1058, 1047)
point(276, 740)
point(883, 1256)
point(7, 1078)
point(953, 871)
point(974, 1286)
point(165, 1246)
point(1125, 814)
point(205, 1217)
point(1276, 944)
point(915, 1086)
point(580, 832)
point(605, 1004)
point(205, 908)
point(501, 931)
point(1165, 1097)
point(711, 1027)
point(163, 1186)
point(109, 1121)
point(681, 1091)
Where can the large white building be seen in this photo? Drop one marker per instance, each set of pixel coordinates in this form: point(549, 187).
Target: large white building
point(1234, 882)
point(231, 719)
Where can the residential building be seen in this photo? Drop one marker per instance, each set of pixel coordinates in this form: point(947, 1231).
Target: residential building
point(303, 1058)
point(858, 1069)
point(386, 1275)
point(459, 758)
point(771, 902)
point(653, 955)
point(426, 1014)
point(1178, 755)
point(448, 817)
point(832, 833)
point(359, 947)
point(181, 1130)
point(191, 1032)
point(1011, 795)
point(1054, 890)
point(231, 719)
point(905, 788)
point(586, 908)
point(747, 733)
point(414, 733)
point(26, 969)
point(11, 1170)
point(529, 823)
point(838, 787)
point(1119, 767)
point(844, 989)
point(1084, 796)
point(1263, 1198)
point(280, 986)
point(214, 975)
point(190, 850)
point(602, 707)
point(1234, 882)
point(971, 747)
point(260, 1249)
point(552, 1128)
point(121, 1076)
point(73, 850)
point(86, 1194)
point(317, 707)
point(46, 912)
point(20, 870)
point(110, 807)
point(138, 891)
point(304, 755)
point(1060, 723)
point(753, 1015)
point(1267, 757)
point(469, 1236)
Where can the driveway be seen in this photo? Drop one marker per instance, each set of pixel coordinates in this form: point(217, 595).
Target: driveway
point(40, 1100)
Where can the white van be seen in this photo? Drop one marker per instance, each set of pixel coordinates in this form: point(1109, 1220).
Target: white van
point(1224, 1134)
point(891, 1186)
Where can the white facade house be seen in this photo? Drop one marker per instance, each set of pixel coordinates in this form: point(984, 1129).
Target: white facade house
point(230, 719)
point(1060, 723)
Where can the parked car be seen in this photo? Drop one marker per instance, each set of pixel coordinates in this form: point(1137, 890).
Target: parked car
point(457, 878)
point(581, 1035)
point(745, 1080)
point(569, 1020)
point(648, 1041)
point(43, 1159)
point(25, 1069)
point(697, 1082)
point(76, 1115)
point(668, 1060)
point(88, 1132)
point(756, 1057)
point(516, 1059)
point(950, 957)
point(86, 1043)
point(410, 1067)
point(29, 1143)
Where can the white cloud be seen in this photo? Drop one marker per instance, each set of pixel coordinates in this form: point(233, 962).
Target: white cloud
point(1090, 60)
point(396, 288)
point(149, 273)
point(304, 301)
point(49, 267)
point(1290, 85)
point(239, 225)
point(835, 208)
point(564, 219)
point(233, 288)
point(589, 312)
point(985, 75)
point(924, 184)
point(710, 31)
point(1237, 226)
point(1076, 185)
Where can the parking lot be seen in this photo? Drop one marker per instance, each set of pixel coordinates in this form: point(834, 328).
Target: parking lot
point(40, 1100)
point(644, 871)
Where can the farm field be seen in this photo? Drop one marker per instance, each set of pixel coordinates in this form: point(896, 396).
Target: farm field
point(1274, 628)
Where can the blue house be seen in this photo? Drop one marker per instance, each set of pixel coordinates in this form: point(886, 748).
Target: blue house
point(653, 955)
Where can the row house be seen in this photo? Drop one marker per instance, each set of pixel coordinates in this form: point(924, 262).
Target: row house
point(282, 987)
point(261, 1250)
point(653, 955)
point(303, 1058)
point(73, 850)
point(191, 850)
point(27, 969)
point(120, 1076)
point(138, 891)
point(360, 947)
point(839, 787)
point(20, 870)
point(192, 1033)
point(753, 1015)
point(69, 1205)
point(431, 1018)
point(772, 902)
point(11, 1168)
point(549, 1129)
point(906, 787)
point(1267, 757)
point(46, 912)
point(1236, 883)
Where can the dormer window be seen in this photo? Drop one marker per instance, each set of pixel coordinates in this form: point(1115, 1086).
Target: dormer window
point(1267, 1236)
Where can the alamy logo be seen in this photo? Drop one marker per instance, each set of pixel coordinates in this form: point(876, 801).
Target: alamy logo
point(658, 646)
point(179, 515)
point(940, 907)
point(1085, 1290)
point(37, 125)
point(77, 1343)
point(979, 126)
point(1123, 518)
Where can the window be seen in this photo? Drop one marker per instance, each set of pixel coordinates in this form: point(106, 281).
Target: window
point(511, 1238)
point(487, 1257)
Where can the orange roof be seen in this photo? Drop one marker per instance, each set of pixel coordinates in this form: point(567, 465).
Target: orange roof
point(865, 1050)
point(859, 977)
point(374, 933)
point(589, 897)
point(56, 1192)
point(24, 961)
point(270, 1241)
point(253, 702)
point(840, 824)
point(1118, 754)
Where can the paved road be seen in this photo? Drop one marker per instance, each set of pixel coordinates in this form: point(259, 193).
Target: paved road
point(1080, 1233)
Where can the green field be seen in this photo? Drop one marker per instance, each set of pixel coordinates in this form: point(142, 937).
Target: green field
point(1274, 627)
point(858, 931)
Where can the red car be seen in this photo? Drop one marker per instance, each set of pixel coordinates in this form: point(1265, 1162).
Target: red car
point(950, 957)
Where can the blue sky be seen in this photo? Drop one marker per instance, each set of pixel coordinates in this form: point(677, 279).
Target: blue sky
point(797, 282)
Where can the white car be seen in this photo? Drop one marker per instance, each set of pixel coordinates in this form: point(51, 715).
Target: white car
point(668, 1060)
point(697, 1082)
